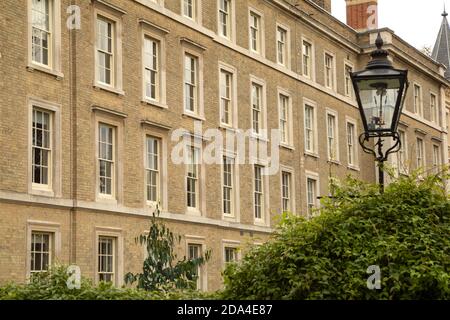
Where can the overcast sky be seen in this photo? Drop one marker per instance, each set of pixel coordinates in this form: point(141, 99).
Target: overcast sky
point(416, 21)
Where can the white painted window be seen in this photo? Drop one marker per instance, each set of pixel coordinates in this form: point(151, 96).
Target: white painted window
point(105, 51)
point(447, 116)
point(195, 252)
point(402, 153)
point(420, 153)
point(42, 137)
point(257, 108)
point(285, 120)
point(310, 129)
point(151, 69)
point(286, 198)
point(255, 32)
point(228, 186)
point(311, 185)
point(192, 177)
point(226, 98)
point(434, 116)
point(329, 71)
point(106, 159)
point(106, 259)
point(418, 103)
point(282, 46)
point(436, 158)
point(258, 193)
point(153, 169)
point(225, 18)
point(42, 33)
point(231, 254)
point(41, 251)
point(189, 8)
point(348, 86)
point(307, 58)
point(351, 144)
point(332, 140)
point(190, 83)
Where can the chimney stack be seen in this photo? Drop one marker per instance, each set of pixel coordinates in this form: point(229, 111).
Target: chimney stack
point(362, 15)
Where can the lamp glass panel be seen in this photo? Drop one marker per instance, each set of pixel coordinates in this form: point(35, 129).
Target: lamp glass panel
point(379, 99)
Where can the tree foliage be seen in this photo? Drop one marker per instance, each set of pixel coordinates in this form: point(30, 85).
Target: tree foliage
point(405, 231)
point(162, 270)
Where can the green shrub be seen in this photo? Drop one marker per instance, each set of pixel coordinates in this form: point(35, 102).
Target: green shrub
point(405, 231)
point(162, 270)
point(52, 285)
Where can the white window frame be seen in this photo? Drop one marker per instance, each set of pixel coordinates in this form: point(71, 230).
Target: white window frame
point(195, 153)
point(117, 234)
point(54, 66)
point(354, 123)
point(434, 116)
point(418, 109)
point(437, 162)
point(109, 119)
point(200, 199)
point(287, 45)
point(157, 34)
point(235, 206)
point(49, 149)
point(291, 172)
point(333, 113)
point(403, 152)
point(52, 228)
point(231, 244)
point(53, 189)
point(260, 42)
point(158, 171)
point(150, 130)
point(332, 70)
point(315, 151)
point(196, 11)
point(202, 281)
point(113, 161)
point(264, 219)
point(289, 123)
point(348, 85)
point(420, 153)
point(189, 48)
point(263, 107)
point(312, 69)
point(113, 15)
point(223, 67)
point(231, 21)
point(113, 256)
point(313, 176)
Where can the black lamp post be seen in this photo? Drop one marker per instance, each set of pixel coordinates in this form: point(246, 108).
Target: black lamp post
point(380, 91)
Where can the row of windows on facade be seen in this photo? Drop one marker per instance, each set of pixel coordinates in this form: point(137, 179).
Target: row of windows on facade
point(107, 50)
point(43, 135)
point(42, 255)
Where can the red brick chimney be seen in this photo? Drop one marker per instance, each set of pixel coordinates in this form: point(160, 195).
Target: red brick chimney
point(362, 15)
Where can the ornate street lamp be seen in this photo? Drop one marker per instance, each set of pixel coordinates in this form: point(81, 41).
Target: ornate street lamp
point(380, 91)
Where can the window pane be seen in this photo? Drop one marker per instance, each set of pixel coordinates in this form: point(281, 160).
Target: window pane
point(40, 251)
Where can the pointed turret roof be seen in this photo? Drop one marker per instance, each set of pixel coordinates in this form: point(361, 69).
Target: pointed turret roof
point(441, 51)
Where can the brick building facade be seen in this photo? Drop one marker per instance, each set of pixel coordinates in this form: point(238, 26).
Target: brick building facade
point(87, 117)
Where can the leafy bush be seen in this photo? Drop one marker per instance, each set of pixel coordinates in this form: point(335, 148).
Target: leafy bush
point(52, 285)
point(162, 271)
point(405, 231)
